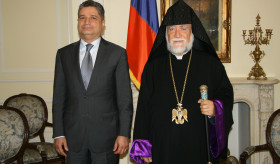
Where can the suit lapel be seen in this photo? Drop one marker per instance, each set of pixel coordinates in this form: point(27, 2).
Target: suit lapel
point(101, 54)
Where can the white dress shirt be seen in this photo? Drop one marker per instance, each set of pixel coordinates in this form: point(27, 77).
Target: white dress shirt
point(93, 50)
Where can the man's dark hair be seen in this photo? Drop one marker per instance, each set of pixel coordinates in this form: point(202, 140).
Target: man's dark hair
point(91, 3)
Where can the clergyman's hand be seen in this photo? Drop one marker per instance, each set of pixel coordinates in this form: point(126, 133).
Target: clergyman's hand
point(121, 145)
point(60, 145)
point(147, 159)
point(207, 107)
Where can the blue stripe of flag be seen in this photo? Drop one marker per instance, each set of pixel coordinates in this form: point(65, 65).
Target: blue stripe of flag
point(147, 9)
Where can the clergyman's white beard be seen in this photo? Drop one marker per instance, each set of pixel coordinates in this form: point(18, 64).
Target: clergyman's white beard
point(180, 50)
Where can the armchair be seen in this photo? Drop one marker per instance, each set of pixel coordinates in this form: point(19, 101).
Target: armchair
point(272, 140)
point(13, 135)
point(35, 110)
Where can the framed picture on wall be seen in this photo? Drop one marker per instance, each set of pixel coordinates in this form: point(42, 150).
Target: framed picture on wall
point(215, 15)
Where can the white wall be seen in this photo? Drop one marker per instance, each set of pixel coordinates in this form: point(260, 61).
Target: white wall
point(239, 136)
point(244, 14)
point(233, 137)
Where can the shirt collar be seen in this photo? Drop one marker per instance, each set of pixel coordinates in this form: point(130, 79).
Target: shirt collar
point(95, 43)
point(180, 57)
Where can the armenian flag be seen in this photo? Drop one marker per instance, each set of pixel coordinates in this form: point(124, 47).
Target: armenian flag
point(142, 30)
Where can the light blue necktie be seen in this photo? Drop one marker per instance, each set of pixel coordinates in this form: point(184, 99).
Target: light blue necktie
point(87, 66)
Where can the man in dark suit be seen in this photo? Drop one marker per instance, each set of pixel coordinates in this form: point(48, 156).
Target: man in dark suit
point(92, 100)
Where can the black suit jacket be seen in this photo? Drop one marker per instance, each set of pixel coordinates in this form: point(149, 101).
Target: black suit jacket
point(104, 110)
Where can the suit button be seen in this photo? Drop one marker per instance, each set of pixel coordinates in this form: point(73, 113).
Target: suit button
point(85, 97)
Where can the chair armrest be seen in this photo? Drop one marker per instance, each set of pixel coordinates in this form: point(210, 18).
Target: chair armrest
point(42, 153)
point(31, 146)
point(49, 124)
point(251, 150)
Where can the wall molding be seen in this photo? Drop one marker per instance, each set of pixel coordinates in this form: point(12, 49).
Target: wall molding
point(51, 70)
point(58, 20)
point(26, 81)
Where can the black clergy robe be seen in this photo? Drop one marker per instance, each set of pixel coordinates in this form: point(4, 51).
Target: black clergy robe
point(180, 143)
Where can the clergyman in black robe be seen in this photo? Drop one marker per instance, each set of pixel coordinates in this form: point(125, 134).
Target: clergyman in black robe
point(170, 129)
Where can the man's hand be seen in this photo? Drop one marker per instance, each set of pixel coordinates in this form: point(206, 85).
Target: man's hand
point(207, 107)
point(147, 159)
point(59, 144)
point(121, 145)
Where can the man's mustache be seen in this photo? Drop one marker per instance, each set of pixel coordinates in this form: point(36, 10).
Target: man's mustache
point(178, 39)
point(87, 26)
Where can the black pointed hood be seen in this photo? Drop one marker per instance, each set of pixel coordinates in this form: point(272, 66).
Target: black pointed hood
point(181, 13)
